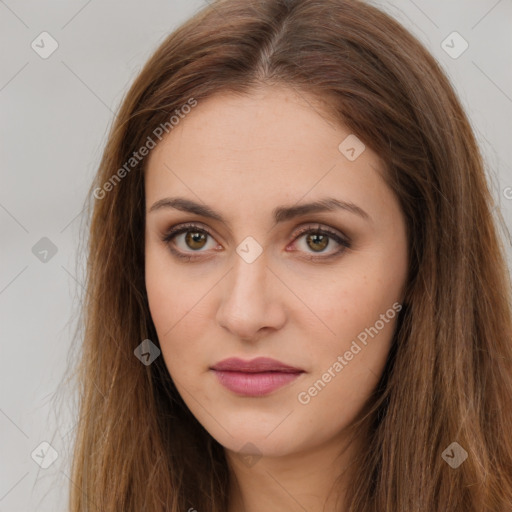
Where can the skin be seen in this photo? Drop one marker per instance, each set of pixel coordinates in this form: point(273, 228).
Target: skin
point(244, 156)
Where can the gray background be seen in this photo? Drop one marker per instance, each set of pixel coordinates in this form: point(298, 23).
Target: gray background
point(55, 113)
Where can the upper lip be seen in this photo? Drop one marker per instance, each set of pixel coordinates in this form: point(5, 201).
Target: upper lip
point(258, 365)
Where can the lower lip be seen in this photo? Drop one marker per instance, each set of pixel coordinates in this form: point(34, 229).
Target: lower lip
point(254, 384)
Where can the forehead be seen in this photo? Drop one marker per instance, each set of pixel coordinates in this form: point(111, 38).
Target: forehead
point(272, 146)
point(272, 119)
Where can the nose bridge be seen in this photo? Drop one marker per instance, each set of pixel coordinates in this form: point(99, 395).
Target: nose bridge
point(248, 280)
point(249, 303)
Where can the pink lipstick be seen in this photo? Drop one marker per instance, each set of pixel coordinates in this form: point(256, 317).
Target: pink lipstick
point(257, 377)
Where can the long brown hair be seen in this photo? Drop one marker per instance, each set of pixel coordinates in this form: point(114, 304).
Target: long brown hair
point(448, 377)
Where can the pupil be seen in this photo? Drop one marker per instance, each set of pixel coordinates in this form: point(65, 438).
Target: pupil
point(195, 238)
point(318, 239)
point(196, 241)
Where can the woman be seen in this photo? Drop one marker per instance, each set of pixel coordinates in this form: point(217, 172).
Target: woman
point(297, 298)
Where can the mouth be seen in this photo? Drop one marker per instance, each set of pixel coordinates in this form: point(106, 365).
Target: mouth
point(257, 377)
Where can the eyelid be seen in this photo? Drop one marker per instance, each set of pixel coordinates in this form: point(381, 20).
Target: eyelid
point(183, 228)
point(340, 238)
point(318, 227)
point(178, 229)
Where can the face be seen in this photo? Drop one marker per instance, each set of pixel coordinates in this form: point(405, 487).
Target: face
point(240, 267)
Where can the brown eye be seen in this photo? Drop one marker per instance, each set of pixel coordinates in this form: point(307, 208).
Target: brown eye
point(184, 240)
point(195, 240)
point(317, 241)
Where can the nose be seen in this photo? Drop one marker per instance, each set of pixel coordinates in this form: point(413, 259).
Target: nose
point(251, 302)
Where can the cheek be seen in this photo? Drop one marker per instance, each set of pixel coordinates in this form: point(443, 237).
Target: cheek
point(359, 311)
point(347, 307)
point(348, 367)
point(368, 292)
point(161, 289)
point(180, 312)
point(170, 294)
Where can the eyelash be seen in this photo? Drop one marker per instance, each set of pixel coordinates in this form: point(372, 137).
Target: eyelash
point(190, 227)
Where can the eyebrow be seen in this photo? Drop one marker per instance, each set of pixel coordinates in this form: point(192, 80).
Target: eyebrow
point(280, 214)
